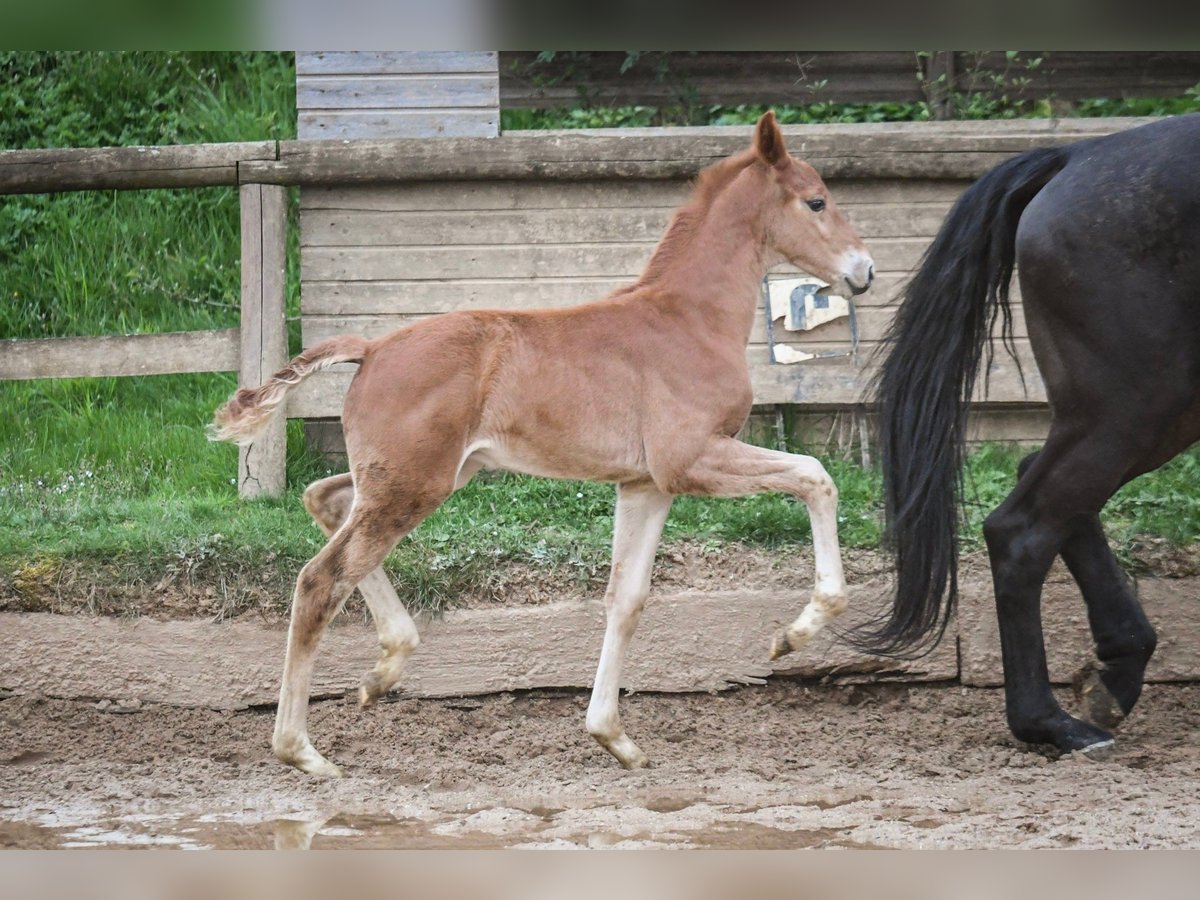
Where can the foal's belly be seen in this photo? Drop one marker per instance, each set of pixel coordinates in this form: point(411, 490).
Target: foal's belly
point(576, 461)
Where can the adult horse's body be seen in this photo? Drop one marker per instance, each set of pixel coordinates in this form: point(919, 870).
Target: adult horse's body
point(1105, 235)
point(645, 388)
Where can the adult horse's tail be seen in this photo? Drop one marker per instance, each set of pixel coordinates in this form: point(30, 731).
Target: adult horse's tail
point(935, 344)
point(250, 409)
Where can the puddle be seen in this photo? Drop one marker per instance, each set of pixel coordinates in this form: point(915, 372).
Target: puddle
point(341, 831)
point(383, 831)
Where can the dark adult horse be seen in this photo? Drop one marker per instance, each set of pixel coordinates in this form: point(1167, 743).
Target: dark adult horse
point(1105, 235)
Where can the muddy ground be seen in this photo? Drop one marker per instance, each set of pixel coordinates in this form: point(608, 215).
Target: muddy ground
point(784, 765)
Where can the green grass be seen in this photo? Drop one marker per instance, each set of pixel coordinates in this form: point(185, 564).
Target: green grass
point(116, 476)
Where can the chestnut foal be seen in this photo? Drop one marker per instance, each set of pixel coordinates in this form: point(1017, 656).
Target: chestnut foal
point(645, 388)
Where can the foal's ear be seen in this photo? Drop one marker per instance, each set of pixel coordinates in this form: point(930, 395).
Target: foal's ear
point(768, 139)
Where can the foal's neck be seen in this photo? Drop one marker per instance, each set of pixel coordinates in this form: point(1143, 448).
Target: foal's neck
point(712, 267)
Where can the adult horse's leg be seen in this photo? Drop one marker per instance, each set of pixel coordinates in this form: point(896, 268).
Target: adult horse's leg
point(641, 513)
point(356, 549)
point(328, 501)
point(1124, 637)
point(729, 468)
point(1060, 493)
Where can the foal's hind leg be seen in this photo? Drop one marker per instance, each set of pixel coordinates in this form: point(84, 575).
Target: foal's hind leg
point(356, 549)
point(641, 513)
point(729, 468)
point(328, 501)
point(1124, 637)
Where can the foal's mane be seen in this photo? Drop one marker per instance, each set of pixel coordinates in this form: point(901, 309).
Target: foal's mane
point(688, 218)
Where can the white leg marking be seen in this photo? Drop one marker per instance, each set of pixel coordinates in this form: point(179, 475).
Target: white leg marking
point(398, 636)
point(290, 741)
point(829, 598)
point(640, 516)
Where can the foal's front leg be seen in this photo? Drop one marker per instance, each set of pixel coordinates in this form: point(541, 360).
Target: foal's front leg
point(641, 513)
point(729, 468)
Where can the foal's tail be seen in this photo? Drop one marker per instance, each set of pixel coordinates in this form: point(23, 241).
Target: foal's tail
point(936, 341)
point(250, 409)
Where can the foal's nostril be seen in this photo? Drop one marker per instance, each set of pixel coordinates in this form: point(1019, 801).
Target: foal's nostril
point(870, 274)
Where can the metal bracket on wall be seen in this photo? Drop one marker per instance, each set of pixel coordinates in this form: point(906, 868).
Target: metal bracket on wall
point(802, 298)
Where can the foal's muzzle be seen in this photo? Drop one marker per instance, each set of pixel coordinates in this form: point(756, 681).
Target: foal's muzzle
point(858, 273)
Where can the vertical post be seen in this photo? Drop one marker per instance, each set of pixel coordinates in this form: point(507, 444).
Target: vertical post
point(262, 464)
point(943, 83)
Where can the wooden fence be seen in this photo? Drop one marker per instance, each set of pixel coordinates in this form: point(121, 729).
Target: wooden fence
point(806, 76)
point(904, 176)
point(256, 348)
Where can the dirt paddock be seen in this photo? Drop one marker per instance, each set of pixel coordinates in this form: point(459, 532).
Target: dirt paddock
point(782, 765)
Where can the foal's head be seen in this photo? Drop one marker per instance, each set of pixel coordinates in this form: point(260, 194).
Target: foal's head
point(802, 223)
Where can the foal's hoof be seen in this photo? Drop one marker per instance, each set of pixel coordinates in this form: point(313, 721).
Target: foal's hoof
point(374, 687)
point(369, 690)
point(638, 760)
point(780, 645)
point(1095, 701)
point(625, 751)
point(308, 760)
point(786, 641)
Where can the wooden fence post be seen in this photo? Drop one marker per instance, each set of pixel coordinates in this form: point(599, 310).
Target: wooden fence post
point(262, 464)
point(941, 92)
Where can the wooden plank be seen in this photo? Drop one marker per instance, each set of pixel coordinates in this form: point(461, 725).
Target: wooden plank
point(390, 297)
point(127, 168)
point(364, 162)
point(365, 62)
point(400, 297)
point(1075, 75)
point(838, 430)
point(349, 228)
point(805, 76)
point(138, 354)
point(440, 91)
point(1170, 604)
point(478, 651)
point(509, 194)
point(710, 77)
point(481, 261)
point(1025, 426)
point(410, 124)
point(612, 259)
point(873, 323)
point(340, 228)
point(262, 470)
point(488, 195)
point(869, 151)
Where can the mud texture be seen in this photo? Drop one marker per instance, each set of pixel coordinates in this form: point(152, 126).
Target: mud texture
point(783, 765)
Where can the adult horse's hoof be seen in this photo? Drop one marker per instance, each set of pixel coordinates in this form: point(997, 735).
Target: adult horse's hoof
point(1064, 733)
point(1094, 700)
point(1100, 751)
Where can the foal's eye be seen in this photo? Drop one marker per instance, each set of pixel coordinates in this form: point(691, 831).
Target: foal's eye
point(816, 204)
